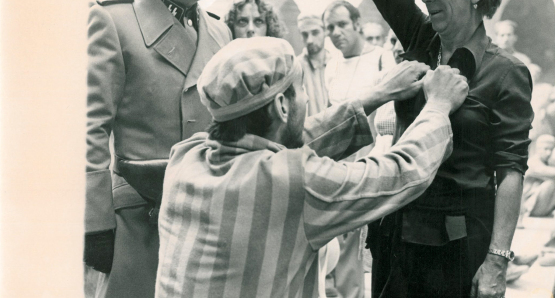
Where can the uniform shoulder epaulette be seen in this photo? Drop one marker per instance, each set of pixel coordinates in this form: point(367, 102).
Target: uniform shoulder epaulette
point(215, 16)
point(108, 2)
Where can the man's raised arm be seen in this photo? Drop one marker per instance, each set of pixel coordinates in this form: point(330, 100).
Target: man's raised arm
point(403, 16)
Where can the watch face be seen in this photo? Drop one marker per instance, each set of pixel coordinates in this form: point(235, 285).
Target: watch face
point(511, 255)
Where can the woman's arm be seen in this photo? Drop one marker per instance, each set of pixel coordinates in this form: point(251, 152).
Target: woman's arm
point(490, 281)
point(510, 122)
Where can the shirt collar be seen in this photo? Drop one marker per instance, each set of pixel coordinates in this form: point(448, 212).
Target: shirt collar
point(225, 151)
point(318, 64)
point(467, 58)
point(477, 44)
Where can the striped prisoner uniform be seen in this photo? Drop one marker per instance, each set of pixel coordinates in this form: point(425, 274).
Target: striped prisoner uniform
point(246, 219)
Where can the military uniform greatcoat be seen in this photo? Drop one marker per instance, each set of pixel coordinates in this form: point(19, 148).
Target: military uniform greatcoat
point(142, 74)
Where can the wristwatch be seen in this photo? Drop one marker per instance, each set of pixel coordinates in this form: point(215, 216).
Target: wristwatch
point(507, 254)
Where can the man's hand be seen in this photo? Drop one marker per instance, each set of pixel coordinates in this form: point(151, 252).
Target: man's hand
point(489, 281)
point(99, 250)
point(399, 83)
point(445, 88)
point(403, 81)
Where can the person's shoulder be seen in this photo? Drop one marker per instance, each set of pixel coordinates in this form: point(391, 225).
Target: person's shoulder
point(213, 15)
point(303, 57)
point(110, 11)
point(502, 59)
point(112, 2)
point(181, 148)
point(218, 28)
point(214, 19)
point(500, 64)
point(523, 58)
point(111, 7)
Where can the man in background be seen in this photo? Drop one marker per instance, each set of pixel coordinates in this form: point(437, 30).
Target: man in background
point(313, 59)
point(506, 39)
point(538, 196)
point(374, 33)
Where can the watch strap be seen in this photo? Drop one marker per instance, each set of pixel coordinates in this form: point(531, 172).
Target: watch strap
point(508, 254)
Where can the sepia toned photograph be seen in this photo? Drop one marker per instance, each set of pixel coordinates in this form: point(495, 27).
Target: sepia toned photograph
point(277, 148)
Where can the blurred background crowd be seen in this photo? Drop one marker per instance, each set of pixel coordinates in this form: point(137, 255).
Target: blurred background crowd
point(532, 25)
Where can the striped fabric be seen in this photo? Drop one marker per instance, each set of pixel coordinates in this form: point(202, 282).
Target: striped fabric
point(314, 82)
point(246, 219)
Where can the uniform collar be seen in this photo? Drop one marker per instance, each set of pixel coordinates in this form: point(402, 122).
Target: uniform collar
point(154, 19)
point(164, 32)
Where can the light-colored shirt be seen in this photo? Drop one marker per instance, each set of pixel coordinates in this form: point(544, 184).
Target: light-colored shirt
point(345, 76)
point(314, 82)
point(246, 219)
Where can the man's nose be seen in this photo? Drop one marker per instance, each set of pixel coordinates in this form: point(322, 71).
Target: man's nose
point(251, 26)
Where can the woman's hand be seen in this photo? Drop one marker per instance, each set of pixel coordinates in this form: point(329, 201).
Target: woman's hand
point(489, 281)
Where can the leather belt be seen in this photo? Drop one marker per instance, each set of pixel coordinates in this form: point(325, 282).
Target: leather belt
point(147, 178)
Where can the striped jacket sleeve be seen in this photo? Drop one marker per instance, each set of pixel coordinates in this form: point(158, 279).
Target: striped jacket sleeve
point(342, 196)
point(338, 131)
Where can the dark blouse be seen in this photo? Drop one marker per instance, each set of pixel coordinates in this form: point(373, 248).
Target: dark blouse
point(490, 130)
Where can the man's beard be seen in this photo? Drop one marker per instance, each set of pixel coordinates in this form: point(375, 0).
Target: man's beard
point(313, 49)
point(291, 139)
point(293, 135)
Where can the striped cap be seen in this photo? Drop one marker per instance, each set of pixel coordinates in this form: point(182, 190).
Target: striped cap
point(247, 74)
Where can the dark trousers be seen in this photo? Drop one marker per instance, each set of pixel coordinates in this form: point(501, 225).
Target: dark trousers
point(403, 269)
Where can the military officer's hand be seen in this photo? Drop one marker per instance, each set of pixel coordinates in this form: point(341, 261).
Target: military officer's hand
point(99, 250)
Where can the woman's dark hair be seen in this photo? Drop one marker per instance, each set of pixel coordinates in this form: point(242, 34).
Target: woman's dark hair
point(257, 123)
point(488, 7)
point(274, 27)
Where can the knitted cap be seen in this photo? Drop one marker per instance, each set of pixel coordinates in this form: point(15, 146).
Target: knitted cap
point(245, 75)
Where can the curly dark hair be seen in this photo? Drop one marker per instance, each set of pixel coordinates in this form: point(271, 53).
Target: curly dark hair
point(488, 7)
point(274, 27)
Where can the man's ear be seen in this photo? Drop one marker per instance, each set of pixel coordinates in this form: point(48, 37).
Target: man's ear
point(279, 108)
